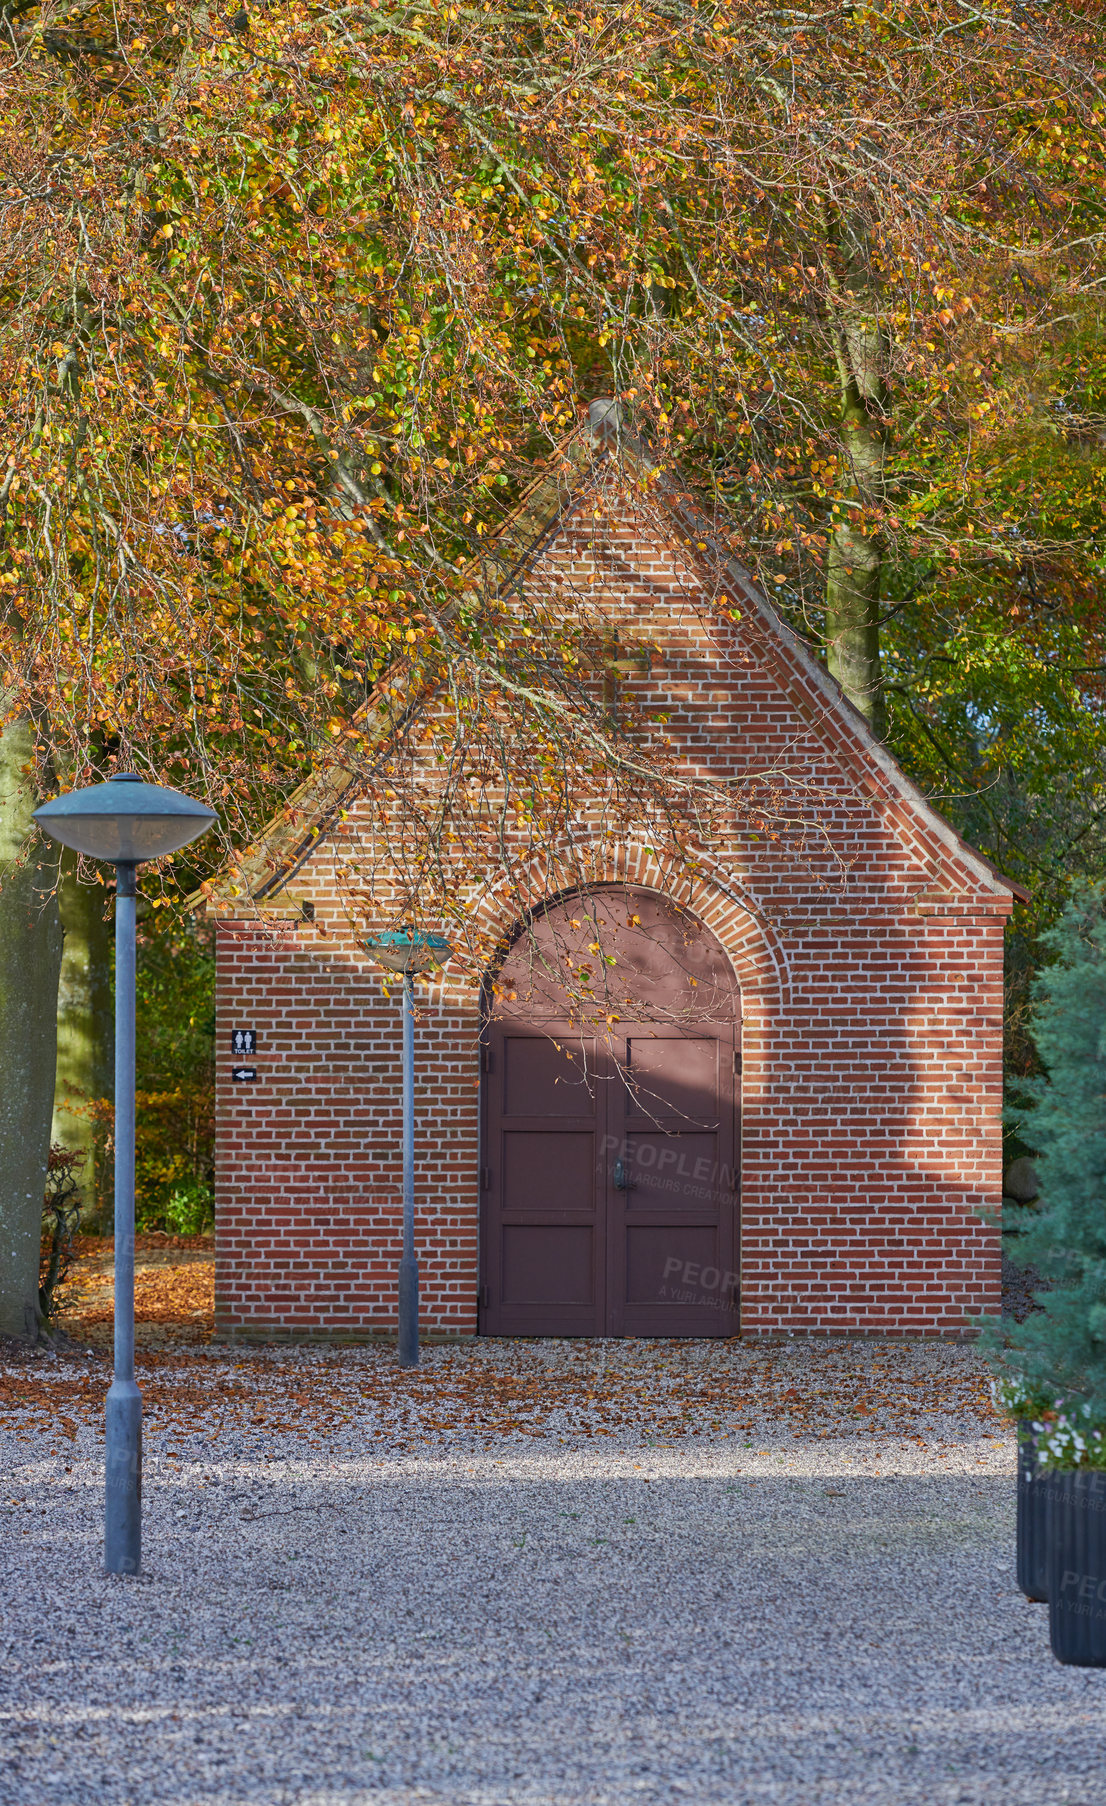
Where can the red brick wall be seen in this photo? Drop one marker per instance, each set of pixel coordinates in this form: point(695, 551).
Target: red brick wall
point(308, 1165)
point(868, 945)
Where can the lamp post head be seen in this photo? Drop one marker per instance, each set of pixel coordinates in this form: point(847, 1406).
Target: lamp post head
point(408, 952)
point(125, 820)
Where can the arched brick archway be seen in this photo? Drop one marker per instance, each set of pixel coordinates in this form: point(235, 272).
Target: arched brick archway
point(609, 1114)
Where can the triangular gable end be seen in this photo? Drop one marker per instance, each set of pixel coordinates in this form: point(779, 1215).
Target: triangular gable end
point(531, 530)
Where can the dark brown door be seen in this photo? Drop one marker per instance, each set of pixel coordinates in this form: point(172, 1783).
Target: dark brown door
point(609, 1201)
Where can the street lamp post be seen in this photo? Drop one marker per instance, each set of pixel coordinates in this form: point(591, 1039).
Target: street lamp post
point(124, 822)
point(409, 953)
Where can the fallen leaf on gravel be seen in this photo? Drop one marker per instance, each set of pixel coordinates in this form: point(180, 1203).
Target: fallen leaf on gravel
point(485, 1392)
point(177, 1294)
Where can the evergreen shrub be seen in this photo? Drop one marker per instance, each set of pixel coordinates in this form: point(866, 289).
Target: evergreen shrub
point(1055, 1361)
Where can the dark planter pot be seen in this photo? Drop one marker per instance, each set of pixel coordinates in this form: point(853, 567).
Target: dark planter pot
point(1077, 1568)
point(1034, 1489)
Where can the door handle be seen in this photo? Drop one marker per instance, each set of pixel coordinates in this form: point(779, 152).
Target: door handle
point(621, 1177)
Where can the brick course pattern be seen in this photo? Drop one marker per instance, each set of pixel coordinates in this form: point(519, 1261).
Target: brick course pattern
point(867, 941)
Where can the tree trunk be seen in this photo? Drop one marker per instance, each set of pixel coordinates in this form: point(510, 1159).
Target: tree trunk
point(855, 561)
point(30, 962)
point(852, 622)
point(85, 1040)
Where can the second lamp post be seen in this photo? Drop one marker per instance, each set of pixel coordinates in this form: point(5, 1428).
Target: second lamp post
point(410, 954)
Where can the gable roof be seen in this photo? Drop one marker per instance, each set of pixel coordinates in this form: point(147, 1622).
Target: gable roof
point(290, 838)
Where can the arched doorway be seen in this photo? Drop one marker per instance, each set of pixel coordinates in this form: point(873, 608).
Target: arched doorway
point(609, 1182)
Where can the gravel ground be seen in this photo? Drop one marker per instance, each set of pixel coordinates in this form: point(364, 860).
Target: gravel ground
point(532, 1574)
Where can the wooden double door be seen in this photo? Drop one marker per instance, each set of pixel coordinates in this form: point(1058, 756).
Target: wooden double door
point(609, 1165)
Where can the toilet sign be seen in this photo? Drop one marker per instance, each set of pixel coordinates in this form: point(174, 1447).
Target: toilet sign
point(243, 1042)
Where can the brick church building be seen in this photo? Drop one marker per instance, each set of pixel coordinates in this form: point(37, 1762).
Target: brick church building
point(792, 1128)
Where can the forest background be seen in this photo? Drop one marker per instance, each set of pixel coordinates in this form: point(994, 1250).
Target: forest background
point(297, 298)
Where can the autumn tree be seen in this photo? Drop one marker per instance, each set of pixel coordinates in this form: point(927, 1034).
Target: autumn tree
point(298, 298)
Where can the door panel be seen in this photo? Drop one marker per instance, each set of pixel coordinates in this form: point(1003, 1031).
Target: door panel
point(670, 1078)
point(610, 1179)
point(672, 1172)
point(657, 1261)
point(547, 1266)
point(548, 1172)
point(546, 1077)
